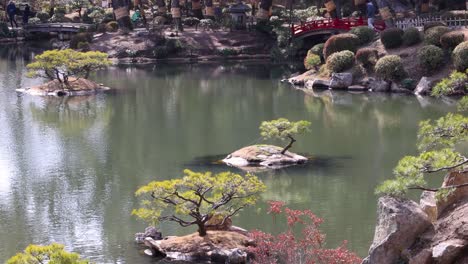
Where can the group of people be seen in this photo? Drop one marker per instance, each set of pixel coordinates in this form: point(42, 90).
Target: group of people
point(12, 10)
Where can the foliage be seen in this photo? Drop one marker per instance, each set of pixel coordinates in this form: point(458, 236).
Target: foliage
point(101, 28)
point(340, 42)
point(430, 58)
point(411, 36)
point(160, 52)
point(409, 83)
point(367, 57)
point(112, 26)
point(340, 61)
point(432, 24)
point(283, 129)
point(43, 16)
point(287, 247)
point(460, 56)
point(390, 67)
point(463, 104)
point(80, 37)
point(456, 84)
point(392, 38)
point(208, 24)
point(451, 39)
point(317, 50)
point(34, 20)
point(78, 5)
point(96, 16)
point(4, 30)
point(225, 52)
point(84, 46)
point(364, 33)
point(303, 14)
point(53, 254)
point(190, 21)
point(61, 64)
point(432, 35)
point(197, 197)
point(312, 61)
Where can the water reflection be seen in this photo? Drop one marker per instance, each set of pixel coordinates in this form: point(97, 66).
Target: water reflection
point(69, 166)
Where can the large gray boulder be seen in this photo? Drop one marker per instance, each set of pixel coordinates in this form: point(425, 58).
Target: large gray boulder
point(341, 80)
point(423, 87)
point(378, 85)
point(399, 222)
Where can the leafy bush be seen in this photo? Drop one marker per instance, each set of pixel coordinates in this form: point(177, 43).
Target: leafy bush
point(84, 46)
point(190, 21)
point(340, 42)
point(432, 24)
point(340, 61)
point(312, 61)
point(208, 24)
point(160, 52)
point(451, 39)
point(460, 56)
point(43, 16)
point(317, 49)
point(367, 57)
point(392, 38)
point(173, 45)
point(34, 20)
point(411, 36)
point(456, 84)
point(4, 30)
point(391, 68)
point(433, 34)
point(108, 17)
point(80, 37)
point(430, 57)
point(409, 84)
point(102, 28)
point(227, 52)
point(112, 26)
point(364, 33)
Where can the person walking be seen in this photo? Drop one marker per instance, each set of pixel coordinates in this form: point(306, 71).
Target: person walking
point(26, 14)
point(370, 14)
point(11, 11)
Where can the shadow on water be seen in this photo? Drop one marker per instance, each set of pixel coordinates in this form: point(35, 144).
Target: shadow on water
point(315, 163)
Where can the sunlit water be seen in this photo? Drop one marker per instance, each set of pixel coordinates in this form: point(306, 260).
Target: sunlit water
point(69, 167)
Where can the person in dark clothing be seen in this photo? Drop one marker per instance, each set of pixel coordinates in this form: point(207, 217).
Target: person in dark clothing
point(370, 14)
point(26, 14)
point(11, 11)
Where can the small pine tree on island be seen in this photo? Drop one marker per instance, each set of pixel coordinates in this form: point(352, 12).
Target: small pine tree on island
point(283, 129)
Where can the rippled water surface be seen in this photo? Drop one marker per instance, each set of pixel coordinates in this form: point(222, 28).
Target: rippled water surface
point(69, 166)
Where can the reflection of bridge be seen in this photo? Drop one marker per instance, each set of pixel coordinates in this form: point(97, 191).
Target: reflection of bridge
point(331, 26)
point(55, 27)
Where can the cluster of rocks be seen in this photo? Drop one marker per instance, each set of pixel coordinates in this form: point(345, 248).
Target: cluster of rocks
point(76, 87)
point(346, 81)
point(433, 231)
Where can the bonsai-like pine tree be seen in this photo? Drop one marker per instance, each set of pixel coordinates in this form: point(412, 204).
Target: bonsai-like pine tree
point(53, 253)
point(283, 129)
point(62, 64)
point(198, 197)
point(437, 143)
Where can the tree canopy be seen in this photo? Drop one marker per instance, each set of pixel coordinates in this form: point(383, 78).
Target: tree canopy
point(52, 254)
point(62, 64)
point(439, 143)
point(198, 197)
point(283, 129)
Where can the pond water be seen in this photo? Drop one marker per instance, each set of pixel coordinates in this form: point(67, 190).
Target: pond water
point(69, 167)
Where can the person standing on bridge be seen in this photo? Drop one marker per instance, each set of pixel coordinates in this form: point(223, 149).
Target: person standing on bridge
point(11, 11)
point(26, 14)
point(370, 14)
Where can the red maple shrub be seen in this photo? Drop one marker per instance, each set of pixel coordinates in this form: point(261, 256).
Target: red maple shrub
point(307, 248)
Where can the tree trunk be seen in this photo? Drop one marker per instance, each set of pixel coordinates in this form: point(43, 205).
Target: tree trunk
point(264, 10)
point(176, 15)
point(289, 145)
point(209, 10)
point(51, 7)
point(196, 9)
point(122, 13)
point(161, 7)
point(201, 229)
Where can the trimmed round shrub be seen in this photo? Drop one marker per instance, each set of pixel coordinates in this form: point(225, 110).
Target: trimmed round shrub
point(460, 56)
point(43, 16)
point(430, 57)
point(317, 49)
point(367, 57)
point(364, 33)
point(340, 42)
point(451, 39)
point(432, 35)
point(390, 68)
point(432, 24)
point(80, 37)
point(392, 38)
point(312, 61)
point(340, 61)
point(412, 36)
point(112, 26)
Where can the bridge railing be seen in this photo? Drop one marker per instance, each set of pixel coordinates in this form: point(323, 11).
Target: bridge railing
point(343, 24)
point(452, 22)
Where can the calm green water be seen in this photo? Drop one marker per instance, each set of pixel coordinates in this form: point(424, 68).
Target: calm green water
point(69, 167)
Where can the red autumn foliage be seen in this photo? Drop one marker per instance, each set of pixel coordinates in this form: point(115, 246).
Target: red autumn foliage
point(307, 248)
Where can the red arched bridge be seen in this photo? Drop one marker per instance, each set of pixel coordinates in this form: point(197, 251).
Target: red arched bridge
point(331, 26)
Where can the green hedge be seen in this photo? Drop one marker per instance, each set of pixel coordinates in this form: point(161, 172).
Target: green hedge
point(412, 36)
point(340, 42)
point(432, 35)
point(390, 68)
point(340, 61)
point(460, 56)
point(430, 58)
point(367, 57)
point(312, 61)
point(364, 33)
point(451, 39)
point(392, 38)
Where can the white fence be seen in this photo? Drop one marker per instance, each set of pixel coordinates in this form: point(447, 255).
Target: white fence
point(452, 22)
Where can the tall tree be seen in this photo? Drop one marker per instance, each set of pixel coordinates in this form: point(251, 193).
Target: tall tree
point(209, 10)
